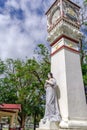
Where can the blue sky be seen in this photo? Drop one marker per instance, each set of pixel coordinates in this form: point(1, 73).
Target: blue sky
point(22, 27)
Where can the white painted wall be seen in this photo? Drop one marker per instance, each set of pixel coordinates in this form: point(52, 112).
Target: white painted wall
point(66, 68)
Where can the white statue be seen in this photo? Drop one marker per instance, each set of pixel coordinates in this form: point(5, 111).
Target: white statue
point(51, 109)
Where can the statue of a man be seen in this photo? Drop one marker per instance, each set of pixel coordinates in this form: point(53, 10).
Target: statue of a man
point(51, 109)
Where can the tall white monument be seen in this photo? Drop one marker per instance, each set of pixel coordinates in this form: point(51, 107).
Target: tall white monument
point(64, 36)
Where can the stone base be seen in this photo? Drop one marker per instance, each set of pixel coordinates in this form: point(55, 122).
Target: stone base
point(63, 125)
point(73, 124)
point(73, 129)
point(48, 125)
point(63, 129)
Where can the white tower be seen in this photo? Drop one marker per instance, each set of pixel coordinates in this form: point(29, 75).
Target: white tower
point(64, 35)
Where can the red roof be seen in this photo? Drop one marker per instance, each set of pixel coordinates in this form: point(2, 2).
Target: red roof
point(11, 106)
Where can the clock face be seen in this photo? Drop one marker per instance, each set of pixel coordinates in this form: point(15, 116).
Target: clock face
point(70, 12)
point(55, 15)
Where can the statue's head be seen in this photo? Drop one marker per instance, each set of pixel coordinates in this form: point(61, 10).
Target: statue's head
point(50, 75)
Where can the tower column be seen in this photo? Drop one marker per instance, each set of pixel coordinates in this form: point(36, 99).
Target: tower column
point(64, 37)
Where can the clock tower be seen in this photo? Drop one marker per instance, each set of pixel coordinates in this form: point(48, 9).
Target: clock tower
point(64, 35)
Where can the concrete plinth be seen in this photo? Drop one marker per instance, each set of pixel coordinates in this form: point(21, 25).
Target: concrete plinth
point(73, 124)
point(64, 129)
point(48, 125)
point(74, 129)
point(69, 125)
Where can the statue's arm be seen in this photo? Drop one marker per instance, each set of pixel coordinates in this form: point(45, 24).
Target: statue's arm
point(51, 82)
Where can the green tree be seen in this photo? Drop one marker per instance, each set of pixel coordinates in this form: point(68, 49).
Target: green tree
point(23, 82)
point(83, 43)
point(83, 22)
point(85, 1)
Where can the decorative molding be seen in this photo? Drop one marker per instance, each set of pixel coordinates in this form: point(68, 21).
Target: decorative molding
point(64, 28)
point(64, 36)
point(65, 47)
point(76, 25)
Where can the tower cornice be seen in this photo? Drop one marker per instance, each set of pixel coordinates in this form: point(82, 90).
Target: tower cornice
point(56, 2)
point(77, 25)
point(66, 37)
point(67, 48)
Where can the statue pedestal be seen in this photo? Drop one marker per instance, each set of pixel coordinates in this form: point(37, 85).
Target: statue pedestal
point(63, 125)
point(73, 124)
point(73, 129)
point(48, 125)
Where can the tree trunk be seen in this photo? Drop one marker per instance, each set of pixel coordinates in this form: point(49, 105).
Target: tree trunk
point(35, 120)
point(23, 121)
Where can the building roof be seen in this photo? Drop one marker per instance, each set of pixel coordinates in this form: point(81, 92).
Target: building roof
point(11, 106)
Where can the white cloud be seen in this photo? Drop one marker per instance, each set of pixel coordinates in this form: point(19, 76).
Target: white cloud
point(19, 37)
point(12, 3)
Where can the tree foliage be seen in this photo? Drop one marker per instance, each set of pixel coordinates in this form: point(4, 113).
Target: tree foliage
point(23, 82)
point(83, 43)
